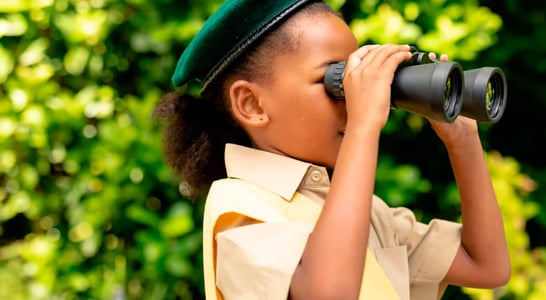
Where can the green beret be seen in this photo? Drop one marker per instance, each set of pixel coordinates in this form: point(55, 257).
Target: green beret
point(232, 29)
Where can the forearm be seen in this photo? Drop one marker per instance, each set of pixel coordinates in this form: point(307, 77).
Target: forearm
point(333, 261)
point(483, 238)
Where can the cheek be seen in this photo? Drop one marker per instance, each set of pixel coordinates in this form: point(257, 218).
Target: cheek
point(328, 112)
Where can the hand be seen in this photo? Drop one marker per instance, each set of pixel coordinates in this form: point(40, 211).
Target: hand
point(368, 77)
point(460, 129)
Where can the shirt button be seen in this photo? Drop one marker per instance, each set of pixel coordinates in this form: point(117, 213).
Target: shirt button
point(316, 175)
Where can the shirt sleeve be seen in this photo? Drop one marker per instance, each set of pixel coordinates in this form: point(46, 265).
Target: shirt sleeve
point(257, 261)
point(431, 247)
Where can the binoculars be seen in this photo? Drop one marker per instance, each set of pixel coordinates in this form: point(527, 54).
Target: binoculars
point(438, 90)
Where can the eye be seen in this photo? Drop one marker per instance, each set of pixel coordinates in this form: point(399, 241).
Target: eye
point(318, 77)
point(320, 80)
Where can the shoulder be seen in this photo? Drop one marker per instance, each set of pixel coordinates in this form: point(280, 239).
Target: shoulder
point(225, 186)
point(242, 197)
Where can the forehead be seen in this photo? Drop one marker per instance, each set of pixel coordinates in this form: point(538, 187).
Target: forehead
point(323, 34)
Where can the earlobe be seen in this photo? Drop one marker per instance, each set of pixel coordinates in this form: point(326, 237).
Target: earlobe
point(245, 104)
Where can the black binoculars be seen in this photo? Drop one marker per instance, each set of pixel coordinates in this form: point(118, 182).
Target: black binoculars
point(438, 90)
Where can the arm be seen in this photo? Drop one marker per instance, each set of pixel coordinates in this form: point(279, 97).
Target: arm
point(332, 263)
point(482, 260)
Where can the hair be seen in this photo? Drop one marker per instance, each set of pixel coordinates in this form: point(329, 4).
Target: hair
point(196, 130)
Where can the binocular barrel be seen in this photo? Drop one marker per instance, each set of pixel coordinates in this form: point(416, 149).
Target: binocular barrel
point(438, 90)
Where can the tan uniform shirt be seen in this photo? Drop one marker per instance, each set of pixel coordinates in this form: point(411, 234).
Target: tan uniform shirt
point(256, 261)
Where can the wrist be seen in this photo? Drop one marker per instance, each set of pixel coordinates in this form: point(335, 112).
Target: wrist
point(362, 129)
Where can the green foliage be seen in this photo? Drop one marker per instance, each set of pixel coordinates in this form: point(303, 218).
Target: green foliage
point(528, 279)
point(460, 29)
point(88, 208)
point(520, 49)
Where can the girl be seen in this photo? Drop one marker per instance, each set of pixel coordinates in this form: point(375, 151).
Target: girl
point(292, 214)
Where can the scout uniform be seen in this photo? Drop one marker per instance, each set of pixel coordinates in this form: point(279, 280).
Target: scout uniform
point(257, 223)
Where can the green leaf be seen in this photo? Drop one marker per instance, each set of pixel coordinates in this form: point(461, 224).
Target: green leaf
point(178, 221)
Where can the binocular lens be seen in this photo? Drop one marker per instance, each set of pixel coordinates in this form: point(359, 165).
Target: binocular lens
point(489, 97)
point(484, 94)
point(494, 96)
point(447, 94)
point(451, 101)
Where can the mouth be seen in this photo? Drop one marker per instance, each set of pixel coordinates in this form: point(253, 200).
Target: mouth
point(342, 132)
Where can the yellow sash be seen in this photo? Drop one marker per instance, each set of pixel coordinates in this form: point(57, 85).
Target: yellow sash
point(231, 200)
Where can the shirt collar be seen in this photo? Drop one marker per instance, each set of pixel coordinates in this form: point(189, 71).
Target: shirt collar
point(280, 174)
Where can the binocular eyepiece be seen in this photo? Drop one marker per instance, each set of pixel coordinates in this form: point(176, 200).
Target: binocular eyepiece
point(438, 90)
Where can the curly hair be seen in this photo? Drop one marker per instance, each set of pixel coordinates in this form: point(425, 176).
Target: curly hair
point(197, 130)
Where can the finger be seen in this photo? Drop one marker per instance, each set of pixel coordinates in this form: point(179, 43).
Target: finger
point(386, 56)
point(364, 50)
point(356, 57)
point(443, 57)
point(367, 53)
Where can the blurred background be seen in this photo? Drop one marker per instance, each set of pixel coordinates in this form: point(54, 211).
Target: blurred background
point(88, 209)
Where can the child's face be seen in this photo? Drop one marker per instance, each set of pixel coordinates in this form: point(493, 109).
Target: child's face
point(305, 122)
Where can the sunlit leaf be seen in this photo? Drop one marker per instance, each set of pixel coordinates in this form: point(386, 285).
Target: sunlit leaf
point(141, 215)
point(7, 64)
point(178, 221)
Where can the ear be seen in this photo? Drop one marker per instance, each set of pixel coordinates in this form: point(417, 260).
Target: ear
point(246, 105)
